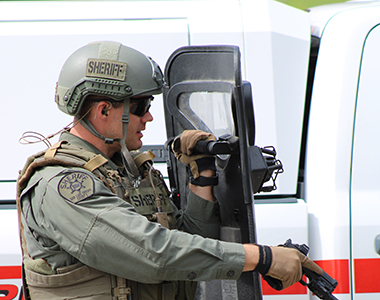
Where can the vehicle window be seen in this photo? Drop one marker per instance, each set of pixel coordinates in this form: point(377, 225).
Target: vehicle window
point(8, 194)
point(366, 162)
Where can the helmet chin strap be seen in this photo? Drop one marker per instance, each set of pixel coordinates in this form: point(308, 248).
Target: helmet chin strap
point(128, 162)
point(87, 124)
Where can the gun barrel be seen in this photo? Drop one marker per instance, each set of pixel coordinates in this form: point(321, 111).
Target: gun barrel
point(321, 285)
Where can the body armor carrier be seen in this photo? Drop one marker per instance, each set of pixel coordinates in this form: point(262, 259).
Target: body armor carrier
point(150, 198)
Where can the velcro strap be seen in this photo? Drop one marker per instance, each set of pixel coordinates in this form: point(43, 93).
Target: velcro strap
point(206, 163)
point(50, 153)
point(204, 181)
point(265, 260)
point(95, 162)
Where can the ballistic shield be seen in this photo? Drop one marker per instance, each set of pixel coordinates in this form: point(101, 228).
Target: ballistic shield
point(205, 91)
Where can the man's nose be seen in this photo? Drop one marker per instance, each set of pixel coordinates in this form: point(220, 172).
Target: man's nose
point(147, 117)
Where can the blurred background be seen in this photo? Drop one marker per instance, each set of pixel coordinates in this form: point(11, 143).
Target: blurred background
point(303, 4)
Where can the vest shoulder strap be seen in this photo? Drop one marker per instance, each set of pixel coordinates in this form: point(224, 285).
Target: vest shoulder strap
point(61, 153)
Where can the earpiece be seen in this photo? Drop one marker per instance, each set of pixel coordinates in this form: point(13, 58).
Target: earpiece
point(106, 109)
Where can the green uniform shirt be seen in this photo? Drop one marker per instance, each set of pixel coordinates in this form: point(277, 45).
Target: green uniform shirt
point(104, 232)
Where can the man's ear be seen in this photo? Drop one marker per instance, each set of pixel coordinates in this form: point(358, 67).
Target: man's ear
point(105, 111)
point(103, 107)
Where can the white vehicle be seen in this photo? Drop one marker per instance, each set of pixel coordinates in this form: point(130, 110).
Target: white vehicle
point(329, 195)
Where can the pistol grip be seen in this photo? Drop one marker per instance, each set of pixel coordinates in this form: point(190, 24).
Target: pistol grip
point(273, 282)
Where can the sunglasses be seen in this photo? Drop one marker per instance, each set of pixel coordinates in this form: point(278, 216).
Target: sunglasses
point(140, 105)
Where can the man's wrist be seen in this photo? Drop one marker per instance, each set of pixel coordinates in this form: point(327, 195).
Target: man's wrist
point(207, 173)
point(204, 192)
point(205, 178)
point(252, 256)
point(265, 260)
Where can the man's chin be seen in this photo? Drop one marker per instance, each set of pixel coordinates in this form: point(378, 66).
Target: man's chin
point(135, 146)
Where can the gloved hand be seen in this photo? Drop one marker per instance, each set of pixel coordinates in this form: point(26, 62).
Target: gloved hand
point(284, 264)
point(183, 148)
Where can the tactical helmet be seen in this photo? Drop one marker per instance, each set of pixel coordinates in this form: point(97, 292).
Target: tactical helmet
point(107, 69)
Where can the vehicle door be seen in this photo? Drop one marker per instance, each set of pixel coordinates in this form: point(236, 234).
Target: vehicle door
point(365, 180)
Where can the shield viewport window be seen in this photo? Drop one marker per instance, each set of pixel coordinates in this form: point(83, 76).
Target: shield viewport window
point(208, 111)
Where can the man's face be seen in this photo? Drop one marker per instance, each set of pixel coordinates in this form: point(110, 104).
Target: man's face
point(136, 125)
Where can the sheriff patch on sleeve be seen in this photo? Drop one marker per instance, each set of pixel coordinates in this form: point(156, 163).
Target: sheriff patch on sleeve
point(76, 186)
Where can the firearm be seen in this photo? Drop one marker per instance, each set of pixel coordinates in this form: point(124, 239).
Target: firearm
point(321, 285)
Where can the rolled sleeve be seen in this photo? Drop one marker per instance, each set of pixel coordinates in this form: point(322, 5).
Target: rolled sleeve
point(200, 217)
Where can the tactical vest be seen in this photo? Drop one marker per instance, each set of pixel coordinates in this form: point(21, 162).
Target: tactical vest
point(150, 198)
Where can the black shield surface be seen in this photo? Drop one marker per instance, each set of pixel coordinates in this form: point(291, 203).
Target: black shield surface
point(205, 91)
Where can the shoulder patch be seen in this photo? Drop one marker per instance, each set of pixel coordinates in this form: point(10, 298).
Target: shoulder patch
point(76, 186)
